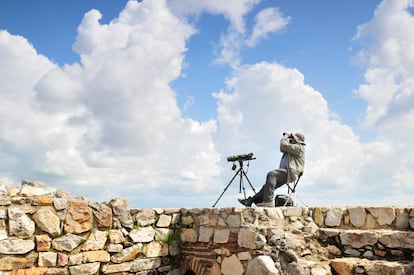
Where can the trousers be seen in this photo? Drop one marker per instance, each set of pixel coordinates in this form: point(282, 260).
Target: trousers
point(274, 180)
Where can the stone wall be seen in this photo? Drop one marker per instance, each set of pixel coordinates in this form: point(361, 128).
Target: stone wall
point(47, 231)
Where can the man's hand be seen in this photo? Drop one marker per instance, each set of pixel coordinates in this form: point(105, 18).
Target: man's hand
point(287, 134)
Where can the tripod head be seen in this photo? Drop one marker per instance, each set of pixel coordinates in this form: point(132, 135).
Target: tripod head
point(240, 159)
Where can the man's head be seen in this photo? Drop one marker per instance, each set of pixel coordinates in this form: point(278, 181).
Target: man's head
point(299, 138)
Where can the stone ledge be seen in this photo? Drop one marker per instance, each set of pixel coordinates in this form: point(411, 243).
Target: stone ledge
point(345, 266)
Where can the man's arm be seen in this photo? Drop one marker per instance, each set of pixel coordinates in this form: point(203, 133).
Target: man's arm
point(287, 147)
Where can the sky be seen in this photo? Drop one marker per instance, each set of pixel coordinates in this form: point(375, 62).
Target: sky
point(145, 100)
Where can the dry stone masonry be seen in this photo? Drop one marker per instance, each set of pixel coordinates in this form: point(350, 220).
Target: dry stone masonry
point(48, 231)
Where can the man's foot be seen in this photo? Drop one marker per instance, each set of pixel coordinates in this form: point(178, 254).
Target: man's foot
point(246, 202)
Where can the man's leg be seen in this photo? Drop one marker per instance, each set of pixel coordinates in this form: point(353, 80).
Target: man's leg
point(274, 179)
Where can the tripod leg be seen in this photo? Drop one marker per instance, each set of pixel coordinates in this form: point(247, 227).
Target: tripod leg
point(244, 173)
point(241, 186)
point(225, 189)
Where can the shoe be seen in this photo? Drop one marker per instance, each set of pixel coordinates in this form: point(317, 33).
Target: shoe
point(246, 202)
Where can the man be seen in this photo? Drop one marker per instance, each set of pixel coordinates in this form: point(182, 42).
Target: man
point(291, 167)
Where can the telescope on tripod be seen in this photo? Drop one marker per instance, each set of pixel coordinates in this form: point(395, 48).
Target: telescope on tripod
point(240, 172)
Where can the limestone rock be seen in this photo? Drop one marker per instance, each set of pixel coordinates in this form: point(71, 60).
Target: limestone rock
point(142, 235)
point(67, 242)
point(399, 239)
point(334, 217)
point(16, 246)
point(75, 259)
point(60, 203)
point(261, 265)
point(57, 271)
point(401, 221)
point(232, 266)
point(95, 241)
point(47, 220)
point(164, 221)
point(95, 256)
point(16, 262)
point(116, 268)
point(20, 225)
point(221, 235)
point(85, 269)
point(78, 217)
point(357, 216)
point(383, 215)
point(43, 242)
point(103, 214)
point(155, 249)
point(47, 259)
point(116, 236)
point(250, 239)
point(121, 211)
point(206, 234)
point(145, 264)
point(62, 259)
point(188, 235)
point(358, 238)
point(126, 254)
point(145, 217)
point(30, 189)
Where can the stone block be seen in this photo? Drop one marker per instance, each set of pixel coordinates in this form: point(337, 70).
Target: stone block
point(357, 216)
point(188, 235)
point(293, 211)
point(20, 225)
point(155, 249)
point(145, 264)
point(116, 268)
point(116, 236)
point(127, 254)
point(262, 265)
point(232, 266)
point(16, 246)
point(383, 215)
point(205, 234)
point(89, 268)
point(164, 221)
point(142, 235)
point(95, 256)
point(47, 220)
point(67, 243)
point(334, 217)
point(78, 218)
point(221, 235)
point(250, 239)
point(96, 240)
point(358, 238)
point(233, 221)
point(47, 259)
point(121, 211)
point(43, 242)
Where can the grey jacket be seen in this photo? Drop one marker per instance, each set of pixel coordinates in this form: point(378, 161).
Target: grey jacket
point(296, 158)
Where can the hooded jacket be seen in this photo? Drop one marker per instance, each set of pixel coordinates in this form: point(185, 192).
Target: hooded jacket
point(296, 158)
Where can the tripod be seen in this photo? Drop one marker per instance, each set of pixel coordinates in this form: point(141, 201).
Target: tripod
point(241, 173)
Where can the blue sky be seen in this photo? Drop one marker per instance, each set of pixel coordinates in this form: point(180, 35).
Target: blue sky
point(146, 100)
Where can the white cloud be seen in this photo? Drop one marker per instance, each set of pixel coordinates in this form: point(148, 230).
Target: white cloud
point(112, 120)
point(233, 10)
point(264, 100)
point(267, 21)
point(389, 58)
